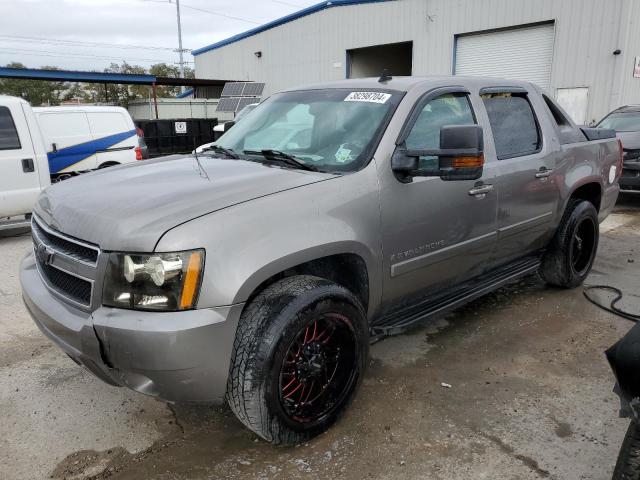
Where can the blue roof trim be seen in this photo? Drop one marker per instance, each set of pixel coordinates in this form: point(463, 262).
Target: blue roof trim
point(62, 75)
point(185, 94)
point(280, 21)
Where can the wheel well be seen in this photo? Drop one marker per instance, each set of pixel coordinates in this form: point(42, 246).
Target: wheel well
point(590, 192)
point(347, 270)
point(108, 164)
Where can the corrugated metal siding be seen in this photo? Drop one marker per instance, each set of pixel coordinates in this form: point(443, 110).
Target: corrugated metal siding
point(313, 48)
point(521, 54)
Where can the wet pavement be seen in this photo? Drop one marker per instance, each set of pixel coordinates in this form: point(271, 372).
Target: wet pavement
point(530, 396)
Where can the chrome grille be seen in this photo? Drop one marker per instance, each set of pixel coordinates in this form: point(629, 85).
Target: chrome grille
point(66, 265)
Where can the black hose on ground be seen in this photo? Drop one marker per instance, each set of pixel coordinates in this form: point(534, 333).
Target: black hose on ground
point(612, 308)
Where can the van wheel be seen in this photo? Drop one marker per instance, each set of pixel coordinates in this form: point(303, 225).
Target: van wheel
point(570, 254)
point(299, 355)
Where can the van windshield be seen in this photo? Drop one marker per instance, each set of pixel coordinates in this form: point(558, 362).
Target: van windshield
point(329, 130)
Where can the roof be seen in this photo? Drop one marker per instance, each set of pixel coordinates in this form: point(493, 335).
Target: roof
point(281, 21)
point(79, 108)
point(404, 84)
point(102, 77)
point(627, 109)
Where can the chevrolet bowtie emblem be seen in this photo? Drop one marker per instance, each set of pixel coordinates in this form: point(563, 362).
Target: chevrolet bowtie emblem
point(44, 254)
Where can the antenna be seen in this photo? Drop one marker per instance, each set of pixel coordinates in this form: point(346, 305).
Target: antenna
point(385, 77)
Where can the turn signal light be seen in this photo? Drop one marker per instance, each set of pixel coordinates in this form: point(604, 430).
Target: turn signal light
point(467, 162)
point(191, 280)
point(138, 153)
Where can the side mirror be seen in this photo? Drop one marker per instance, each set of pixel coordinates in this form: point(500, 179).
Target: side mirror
point(460, 156)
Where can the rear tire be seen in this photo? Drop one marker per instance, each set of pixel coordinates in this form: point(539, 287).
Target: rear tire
point(299, 355)
point(569, 257)
point(628, 464)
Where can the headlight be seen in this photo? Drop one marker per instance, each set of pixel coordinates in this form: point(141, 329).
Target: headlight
point(157, 281)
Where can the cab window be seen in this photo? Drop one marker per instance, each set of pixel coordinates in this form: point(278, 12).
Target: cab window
point(8, 134)
point(447, 109)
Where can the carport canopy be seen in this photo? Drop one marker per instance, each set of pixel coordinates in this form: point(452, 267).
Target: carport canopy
point(103, 77)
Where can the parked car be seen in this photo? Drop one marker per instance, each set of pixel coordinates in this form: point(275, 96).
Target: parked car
point(82, 138)
point(258, 276)
point(626, 122)
point(79, 138)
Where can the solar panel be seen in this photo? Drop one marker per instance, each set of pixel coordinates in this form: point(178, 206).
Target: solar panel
point(233, 89)
point(229, 104)
point(253, 89)
point(247, 101)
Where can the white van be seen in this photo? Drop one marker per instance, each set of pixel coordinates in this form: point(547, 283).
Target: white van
point(80, 138)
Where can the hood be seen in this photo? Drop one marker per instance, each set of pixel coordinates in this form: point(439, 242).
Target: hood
point(130, 207)
point(630, 140)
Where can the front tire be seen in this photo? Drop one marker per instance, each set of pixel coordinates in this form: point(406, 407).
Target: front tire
point(299, 355)
point(570, 255)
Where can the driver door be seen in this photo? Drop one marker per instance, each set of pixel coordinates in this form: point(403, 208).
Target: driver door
point(436, 233)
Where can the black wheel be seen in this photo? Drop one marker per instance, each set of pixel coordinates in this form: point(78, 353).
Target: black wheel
point(570, 255)
point(299, 355)
point(628, 464)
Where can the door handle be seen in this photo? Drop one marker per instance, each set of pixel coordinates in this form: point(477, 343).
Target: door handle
point(481, 190)
point(27, 165)
point(544, 172)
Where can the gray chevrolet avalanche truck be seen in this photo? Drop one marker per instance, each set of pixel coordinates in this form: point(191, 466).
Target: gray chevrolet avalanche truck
point(257, 271)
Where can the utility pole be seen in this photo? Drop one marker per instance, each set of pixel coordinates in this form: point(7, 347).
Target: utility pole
point(180, 50)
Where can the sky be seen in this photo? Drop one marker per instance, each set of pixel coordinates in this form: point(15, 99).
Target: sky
point(72, 34)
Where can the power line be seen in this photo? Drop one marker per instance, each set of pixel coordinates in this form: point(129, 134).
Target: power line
point(56, 41)
point(48, 53)
point(204, 10)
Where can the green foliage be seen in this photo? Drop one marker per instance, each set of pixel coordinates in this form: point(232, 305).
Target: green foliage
point(43, 92)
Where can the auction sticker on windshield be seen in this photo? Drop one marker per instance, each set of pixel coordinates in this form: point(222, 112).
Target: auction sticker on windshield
point(372, 97)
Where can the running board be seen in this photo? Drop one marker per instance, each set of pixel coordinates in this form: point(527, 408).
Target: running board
point(398, 321)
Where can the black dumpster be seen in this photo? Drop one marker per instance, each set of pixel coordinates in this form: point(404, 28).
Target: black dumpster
point(180, 135)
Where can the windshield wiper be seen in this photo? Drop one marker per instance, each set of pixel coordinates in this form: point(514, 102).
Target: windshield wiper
point(278, 156)
point(221, 150)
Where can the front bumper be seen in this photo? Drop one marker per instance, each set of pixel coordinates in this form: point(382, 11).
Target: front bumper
point(630, 178)
point(176, 356)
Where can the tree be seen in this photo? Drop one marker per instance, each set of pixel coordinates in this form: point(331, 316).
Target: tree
point(173, 71)
point(36, 92)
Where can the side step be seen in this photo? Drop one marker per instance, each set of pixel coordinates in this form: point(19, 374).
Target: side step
point(398, 321)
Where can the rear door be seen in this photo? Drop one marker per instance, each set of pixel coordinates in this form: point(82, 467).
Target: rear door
point(19, 181)
point(68, 140)
point(526, 183)
point(114, 137)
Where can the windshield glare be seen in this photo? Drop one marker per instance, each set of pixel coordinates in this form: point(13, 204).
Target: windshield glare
point(328, 129)
point(622, 122)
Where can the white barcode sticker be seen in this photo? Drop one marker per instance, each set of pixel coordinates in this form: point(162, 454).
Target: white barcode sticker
point(372, 97)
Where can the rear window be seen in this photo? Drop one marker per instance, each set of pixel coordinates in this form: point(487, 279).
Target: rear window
point(514, 125)
point(8, 134)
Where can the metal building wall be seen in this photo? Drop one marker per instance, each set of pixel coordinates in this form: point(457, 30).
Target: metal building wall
point(169, 108)
point(313, 48)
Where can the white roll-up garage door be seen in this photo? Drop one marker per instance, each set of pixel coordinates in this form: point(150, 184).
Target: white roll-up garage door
point(521, 54)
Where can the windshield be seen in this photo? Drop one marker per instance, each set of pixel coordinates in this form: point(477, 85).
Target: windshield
point(330, 130)
point(622, 122)
point(243, 113)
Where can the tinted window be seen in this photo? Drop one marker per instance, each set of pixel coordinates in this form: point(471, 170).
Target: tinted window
point(567, 132)
point(8, 134)
point(449, 109)
point(515, 131)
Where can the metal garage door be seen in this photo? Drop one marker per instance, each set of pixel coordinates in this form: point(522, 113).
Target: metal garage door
point(520, 54)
